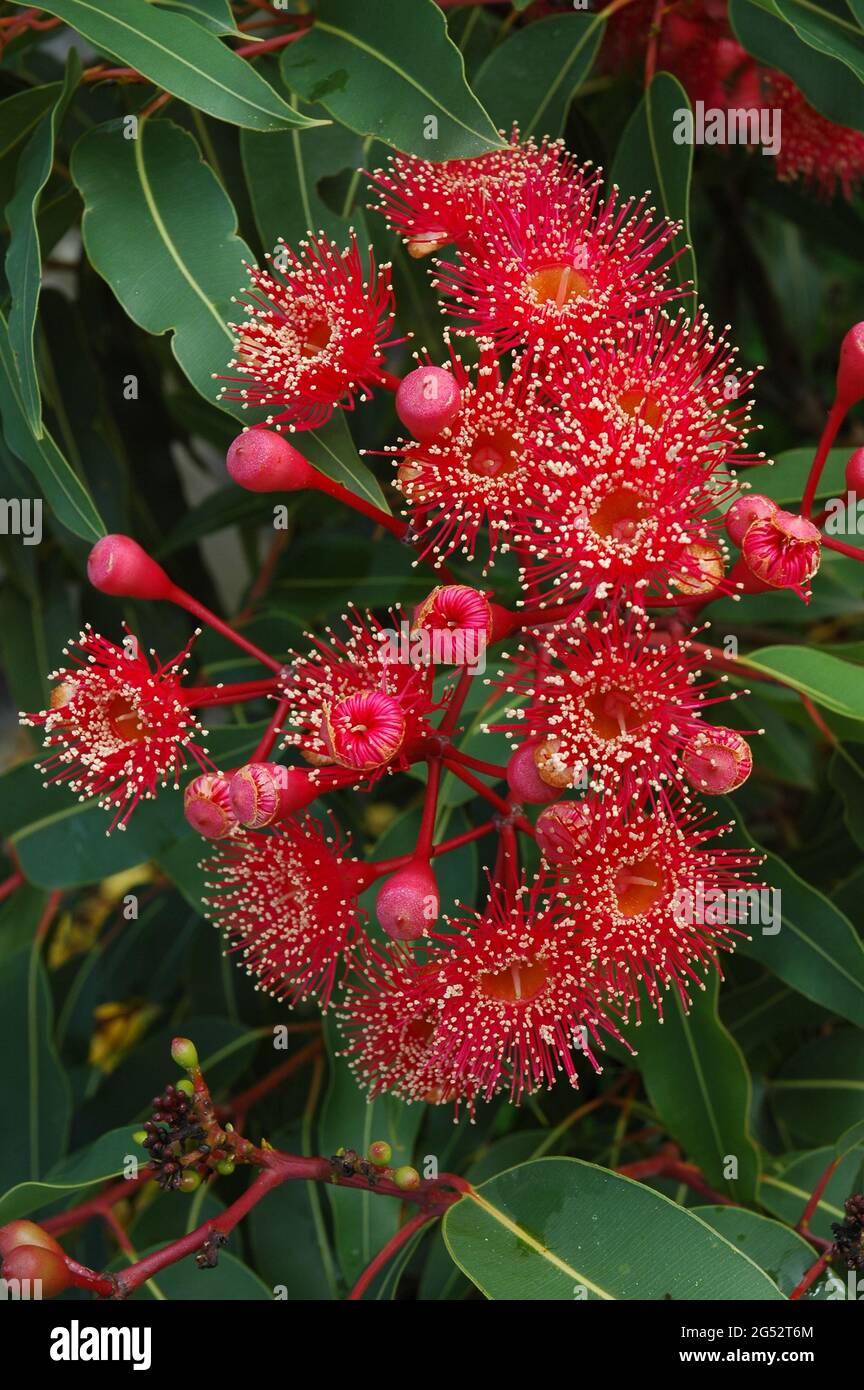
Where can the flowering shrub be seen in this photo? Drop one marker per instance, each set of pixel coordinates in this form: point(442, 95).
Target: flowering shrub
point(517, 602)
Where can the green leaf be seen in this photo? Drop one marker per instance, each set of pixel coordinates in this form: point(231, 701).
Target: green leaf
point(332, 450)
point(846, 774)
point(180, 56)
point(649, 157)
point(283, 173)
point(819, 1093)
point(787, 1191)
point(533, 76)
point(19, 115)
point(816, 950)
point(836, 684)
point(212, 14)
point(284, 1234)
point(698, 1082)
point(23, 256)
point(231, 1281)
point(63, 843)
point(828, 84)
point(765, 1009)
point(786, 479)
point(354, 54)
point(561, 1228)
point(828, 33)
point(62, 489)
point(90, 1167)
point(783, 1254)
point(159, 227)
point(362, 1221)
point(36, 1095)
point(850, 1139)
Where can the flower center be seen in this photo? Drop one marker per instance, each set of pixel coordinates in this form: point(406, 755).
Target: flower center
point(494, 455)
point(558, 285)
point(637, 402)
point(124, 721)
point(618, 515)
point(638, 887)
point(517, 984)
point(613, 714)
point(315, 338)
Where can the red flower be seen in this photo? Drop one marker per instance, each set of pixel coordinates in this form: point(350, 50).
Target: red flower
point(515, 996)
point(314, 334)
point(388, 1030)
point(117, 728)
point(361, 701)
point(552, 277)
point(489, 466)
point(653, 903)
point(654, 427)
point(286, 902)
point(430, 205)
point(613, 710)
point(822, 154)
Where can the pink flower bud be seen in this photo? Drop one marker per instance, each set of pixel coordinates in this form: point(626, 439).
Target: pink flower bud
point(850, 369)
point(364, 730)
point(262, 461)
point(454, 606)
point(262, 793)
point(717, 760)
point(408, 901)
point(565, 830)
point(855, 471)
point(427, 401)
point(207, 806)
point(784, 551)
point(525, 781)
point(117, 565)
point(746, 510)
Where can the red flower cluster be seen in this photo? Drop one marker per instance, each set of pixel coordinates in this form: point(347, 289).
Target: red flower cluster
point(596, 440)
point(697, 44)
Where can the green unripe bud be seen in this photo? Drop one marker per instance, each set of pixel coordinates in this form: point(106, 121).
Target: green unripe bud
point(139, 1136)
point(190, 1181)
point(226, 1167)
point(379, 1152)
point(185, 1086)
point(407, 1179)
point(185, 1053)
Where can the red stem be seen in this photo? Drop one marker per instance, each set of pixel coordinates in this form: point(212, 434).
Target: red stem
point(832, 425)
point(394, 1244)
point(204, 615)
point(271, 733)
point(842, 548)
point(811, 1276)
point(490, 769)
point(368, 509)
point(8, 886)
point(813, 1202)
point(197, 696)
point(479, 787)
point(430, 810)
